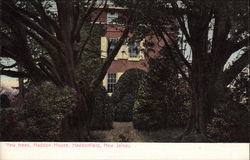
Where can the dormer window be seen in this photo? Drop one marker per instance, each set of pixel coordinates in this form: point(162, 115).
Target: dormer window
point(111, 17)
point(109, 2)
point(112, 44)
point(133, 49)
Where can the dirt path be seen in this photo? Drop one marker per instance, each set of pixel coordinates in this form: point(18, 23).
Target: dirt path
point(125, 132)
point(121, 132)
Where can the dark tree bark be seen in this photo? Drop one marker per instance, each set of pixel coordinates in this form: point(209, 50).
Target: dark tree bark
point(206, 75)
point(208, 79)
point(61, 39)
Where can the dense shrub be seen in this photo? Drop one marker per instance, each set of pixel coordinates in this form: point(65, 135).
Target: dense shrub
point(88, 67)
point(231, 123)
point(103, 112)
point(41, 115)
point(12, 126)
point(126, 92)
point(4, 101)
point(146, 115)
point(163, 98)
point(45, 106)
point(9, 97)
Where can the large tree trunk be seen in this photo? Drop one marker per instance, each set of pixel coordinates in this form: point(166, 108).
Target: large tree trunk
point(202, 85)
point(206, 92)
point(75, 125)
point(196, 127)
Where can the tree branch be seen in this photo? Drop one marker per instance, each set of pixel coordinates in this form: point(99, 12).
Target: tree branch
point(11, 66)
point(14, 74)
point(169, 51)
point(109, 60)
point(238, 45)
point(181, 22)
point(90, 33)
point(222, 28)
point(50, 48)
point(236, 68)
point(13, 11)
point(66, 18)
point(181, 55)
point(46, 20)
point(82, 19)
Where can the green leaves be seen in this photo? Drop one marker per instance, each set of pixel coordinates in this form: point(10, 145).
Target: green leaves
point(45, 107)
point(125, 95)
point(162, 98)
point(40, 119)
point(103, 111)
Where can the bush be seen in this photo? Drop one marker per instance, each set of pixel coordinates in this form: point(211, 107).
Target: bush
point(163, 98)
point(4, 101)
point(41, 116)
point(103, 112)
point(126, 92)
point(146, 115)
point(231, 123)
point(12, 125)
point(45, 106)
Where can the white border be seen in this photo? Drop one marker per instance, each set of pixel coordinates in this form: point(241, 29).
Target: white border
point(128, 151)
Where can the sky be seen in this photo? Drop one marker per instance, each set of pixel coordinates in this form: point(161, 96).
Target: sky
point(5, 80)
point(8, 81)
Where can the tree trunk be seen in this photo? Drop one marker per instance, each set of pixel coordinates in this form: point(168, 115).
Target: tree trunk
point(76, 124)
point(196, 127)
point(202, 99)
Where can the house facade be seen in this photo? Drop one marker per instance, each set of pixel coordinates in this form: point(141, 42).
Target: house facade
point(130, 55)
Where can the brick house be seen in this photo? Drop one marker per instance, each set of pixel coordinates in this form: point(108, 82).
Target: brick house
point(129, 56)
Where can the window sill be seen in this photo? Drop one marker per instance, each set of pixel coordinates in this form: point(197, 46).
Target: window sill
point(134, 59)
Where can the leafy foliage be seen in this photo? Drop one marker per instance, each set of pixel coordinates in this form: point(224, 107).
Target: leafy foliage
point(240, 89)
point(90, 60)
point(12, 126)
point(103, 112)
point(89, 64)
point(4, 101)
point(126, 92)
point(45, 108)
point(40, 119)
point(231, 123)
point(163, 98)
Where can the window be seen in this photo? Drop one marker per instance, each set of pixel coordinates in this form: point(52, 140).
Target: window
point(133, 50)
point(111, 16)
point(109, 2)
point(111, 82)
point(112, 44)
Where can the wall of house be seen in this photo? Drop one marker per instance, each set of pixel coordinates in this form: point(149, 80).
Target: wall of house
point(123, 61)
point(105, 80)
point(123, 52)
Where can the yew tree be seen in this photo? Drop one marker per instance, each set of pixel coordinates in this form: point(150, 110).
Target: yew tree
point(55, 27)
point(214, 30)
